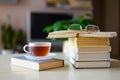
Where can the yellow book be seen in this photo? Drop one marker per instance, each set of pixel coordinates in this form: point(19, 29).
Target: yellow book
point(89, 41)
point(83, 39)
point(94, 49)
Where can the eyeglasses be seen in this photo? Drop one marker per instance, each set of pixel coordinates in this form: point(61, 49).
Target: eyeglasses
point(88, 28)
point(75, 27)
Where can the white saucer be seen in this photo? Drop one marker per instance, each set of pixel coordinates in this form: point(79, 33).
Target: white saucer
point(49, 56)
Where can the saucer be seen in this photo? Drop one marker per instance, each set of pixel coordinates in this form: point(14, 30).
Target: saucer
point(49, 56)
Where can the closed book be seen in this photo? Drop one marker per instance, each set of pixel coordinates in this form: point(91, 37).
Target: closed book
point(89, 41)
point(37, 64)
point(62, 34)
point(95, 56)
point(90, 64)
point(86, 49)
point(75, 33)
point(92, 39)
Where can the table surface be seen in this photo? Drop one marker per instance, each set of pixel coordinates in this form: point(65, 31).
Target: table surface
point(68, 72)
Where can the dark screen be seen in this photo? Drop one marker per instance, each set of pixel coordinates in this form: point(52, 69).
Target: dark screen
point(41, 20)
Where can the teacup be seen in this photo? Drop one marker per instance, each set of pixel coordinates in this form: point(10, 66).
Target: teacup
point(38, 48)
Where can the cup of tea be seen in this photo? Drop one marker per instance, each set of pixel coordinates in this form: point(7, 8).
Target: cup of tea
point(37, 48)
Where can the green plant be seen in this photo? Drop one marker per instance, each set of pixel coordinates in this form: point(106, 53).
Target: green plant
point(20, 38)
point(8, 36)
point(59, 25)
point(83, 21)
point(20, 41)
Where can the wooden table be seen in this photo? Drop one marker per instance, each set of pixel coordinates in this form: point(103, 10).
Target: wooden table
point(68, 72)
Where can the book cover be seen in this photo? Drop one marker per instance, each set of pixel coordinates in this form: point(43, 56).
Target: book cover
point(90, 64)
point(86, 49)
point(70, 33)
point(37, 64)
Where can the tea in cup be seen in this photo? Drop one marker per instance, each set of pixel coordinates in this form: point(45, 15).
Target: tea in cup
point(38, 48)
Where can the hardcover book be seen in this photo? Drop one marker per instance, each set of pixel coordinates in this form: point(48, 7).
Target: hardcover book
point(70, 34)
point(90, 64)
point(89, 41)
point(37, 64)
point(92, 49)
point(90, 56)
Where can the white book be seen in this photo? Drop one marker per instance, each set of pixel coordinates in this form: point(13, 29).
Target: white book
point(88, 56)
point(91, 49)
point(90, 64)
point(91, 56)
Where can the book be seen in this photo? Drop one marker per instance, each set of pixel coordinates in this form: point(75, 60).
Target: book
point(89, 41)
point(90, 64)
point(70, 33)
point(37, 64)
point(90, 56)
point(86, 49)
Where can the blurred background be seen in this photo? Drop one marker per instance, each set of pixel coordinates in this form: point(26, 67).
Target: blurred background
point(23, 21)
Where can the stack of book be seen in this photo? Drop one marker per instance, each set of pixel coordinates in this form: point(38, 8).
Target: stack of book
point(90, 52)
point(87, 50)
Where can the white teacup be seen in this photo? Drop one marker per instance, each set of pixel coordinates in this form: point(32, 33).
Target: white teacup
point(38, 48)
